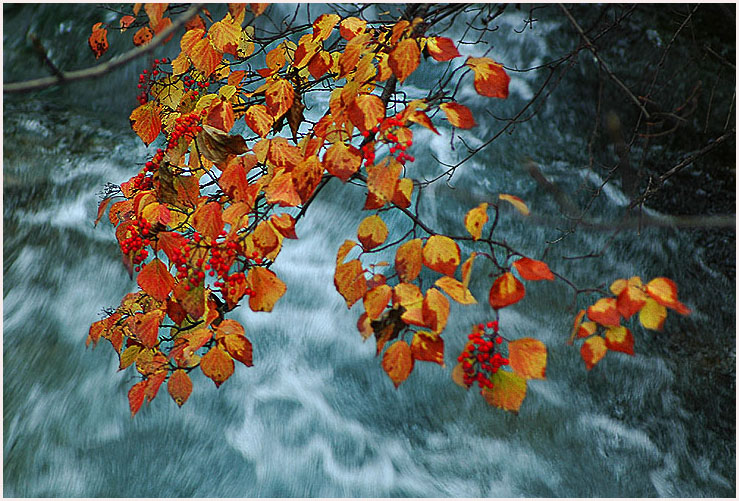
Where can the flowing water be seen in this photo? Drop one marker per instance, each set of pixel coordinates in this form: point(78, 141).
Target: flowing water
point(316, 416)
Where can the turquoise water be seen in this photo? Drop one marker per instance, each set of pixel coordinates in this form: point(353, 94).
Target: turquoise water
point(316, 416)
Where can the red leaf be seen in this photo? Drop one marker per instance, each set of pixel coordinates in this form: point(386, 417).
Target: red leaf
point(605, 312)
point(531, 269)
point(155, 280)
point(620, 339)
point(428, 347)
point(136, 397)
point(179, 386)
point(458, 115)
point(238, 347)
point(506, 290)
point(441, 48)
point(592, 351)
point(491, 80)
point(208, 221)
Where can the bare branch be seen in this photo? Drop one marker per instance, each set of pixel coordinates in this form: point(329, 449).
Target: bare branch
point(104, 68)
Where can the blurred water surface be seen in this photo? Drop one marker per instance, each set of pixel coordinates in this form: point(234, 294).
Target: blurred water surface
point(316, 415)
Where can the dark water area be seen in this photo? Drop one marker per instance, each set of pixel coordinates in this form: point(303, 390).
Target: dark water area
point(316, 416)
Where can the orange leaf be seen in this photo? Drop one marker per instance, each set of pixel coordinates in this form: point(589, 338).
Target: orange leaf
point(605, 312)
point(143, 36)
point(372, 232)
point(441, 48)
point(146, 327)
point(376, 300)
point(217, 365)
point(267, 289)
point(179, 386)
point(285, 224)
point(435, 310)
point(519, 204)
point(409, 297)
point(319, 64)
point(259, 120)
point(398, 362)
point(508, 391)
point(458, 115)
point(344, 250)
point(586, 329)
point(403, 193)
point(146, 121)
point(491, 80)
point(279, 97)
point(208, 220)
point(366, 111)
point(205, 57)
point(592, 351)
point(441, 254)
point(155, 381)
point(506, 290)
point(576, 325)
point(155, 11)
point(404, 58)
point(136, 396)
point(528, 358)
point(282, 190)
point(225, 36)
point(342, 161)
point(382, 179)
point(350, 282)
point(155, 280)
point(221, 116)
point(467, 269)
point(531, 269)
point(101, 209)
point(125, 22)
point(620, 339)
point(323, 25)
point(664, 291)
point(258, 8)
point(652, 315)
point(408, 260)
point(631, 298)
point(475, 219)
point(456, 290)
point(190, 39)
point(238, 347)
point(428, 347)
point(351, 27)
point(98, 41)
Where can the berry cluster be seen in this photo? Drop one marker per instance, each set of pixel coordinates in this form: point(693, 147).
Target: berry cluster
point(138, 238)
point(479, 359)
point(185, 125)
point(190, 83)
point(142, 180)
point(368, 150)
point(145, 79)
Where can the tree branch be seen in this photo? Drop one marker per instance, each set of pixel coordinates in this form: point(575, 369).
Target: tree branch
point(103, 68)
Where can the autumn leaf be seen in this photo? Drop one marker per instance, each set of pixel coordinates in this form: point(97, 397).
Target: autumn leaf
point(475, 219)
point(282, 190)
point(258, 8)
point(155, 280)
point(216, 145)
point(592, 351)
point(528, 358)
point(605, 312)
point(408, 260)
point(324, 25)
point(531, 269)
point(279, 97)
point(506, 290)
point(146, 121)
point(458, 115)
point(267, 289)
point(366, 111)
point(136, 397)
point(441, 48)
point(372, 232)
point(631, 298)
point(350, 281)
point(508, 391)
point(285, 224)
point(456, 290)
point(143, 36)
point(205, 57)
point(259, 120)
point(342, 161)
point(405, 58)
point(441, 254)
point(398, 362)
point(238, 346)
point(382, 179)
point(620, 339)
point(225, 36)
point(428, 347)
point(125, 22)
point(208, 221)
point(217, 365)
point(409, 297)
point(351, 27)
point(586, 329)
point(403, 193)
point(146, 327)
point(179, 386)
point(652, 315)
point(467, 269)
point(664, 291)
point(221, 116)
point(376, 300)
point(519, 204)
point(491, 80)
point(435, 310)
point(98, 40)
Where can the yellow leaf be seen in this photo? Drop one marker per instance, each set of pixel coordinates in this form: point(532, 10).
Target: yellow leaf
point(435, 310)
point(350, 282)
point(519, 204)
point(476, 219)
point(456, 290)
point(528, 358)
point(404, 58)
point(441, 254)
point(652, 315)
point(508, 391)
point(408, 260)
point(372, 232)
point(267, 289)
